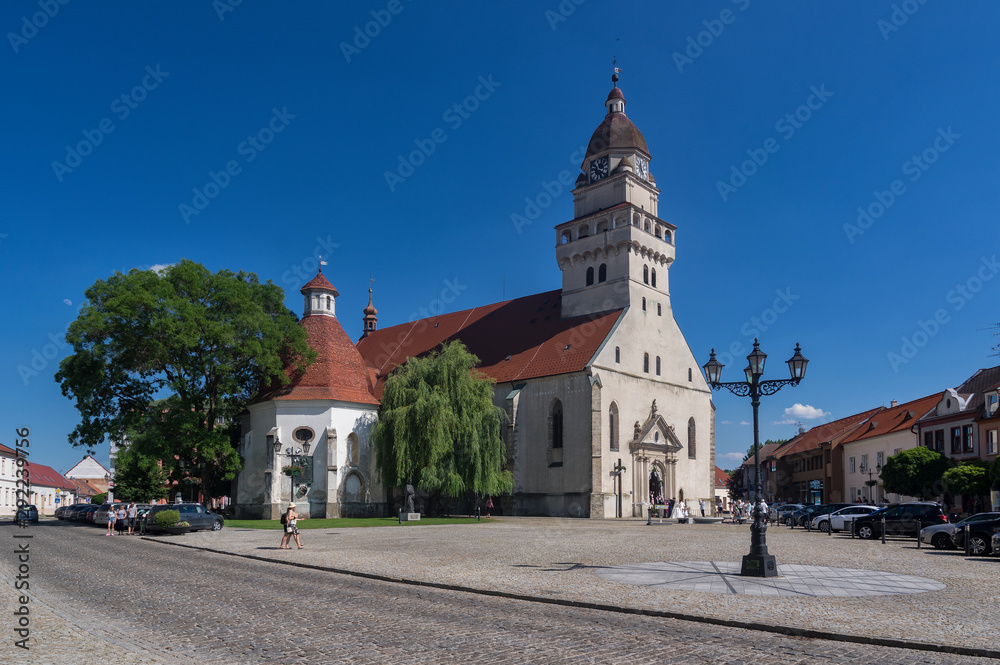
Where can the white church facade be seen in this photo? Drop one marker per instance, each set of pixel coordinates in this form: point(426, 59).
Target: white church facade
point(599, 385)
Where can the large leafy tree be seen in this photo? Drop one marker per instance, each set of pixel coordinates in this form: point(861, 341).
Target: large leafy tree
point(138, 477)
point(970, 479)
point(438, 426)
point(203, 341)
point(915, 472)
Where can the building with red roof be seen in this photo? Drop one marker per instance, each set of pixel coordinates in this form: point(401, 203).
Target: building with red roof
point(48, 488)
point(589, 375)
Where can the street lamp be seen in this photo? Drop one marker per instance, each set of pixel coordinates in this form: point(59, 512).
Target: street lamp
point(758, 563)
point(872, 483)
point(618, 470)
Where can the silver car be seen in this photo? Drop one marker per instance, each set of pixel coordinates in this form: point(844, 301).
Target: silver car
point(841, 519)
point(940, 535)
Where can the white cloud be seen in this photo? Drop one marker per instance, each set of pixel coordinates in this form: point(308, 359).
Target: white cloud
point(798, 412)
point(745, 422)
point(736, 457)
point(725, 422)
point(67, 302)
point(160, 267)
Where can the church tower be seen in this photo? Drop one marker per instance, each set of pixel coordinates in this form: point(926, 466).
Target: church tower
point(371, 317)
point(616, 251)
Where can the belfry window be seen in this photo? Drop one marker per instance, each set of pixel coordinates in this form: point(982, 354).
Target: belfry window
point(645, 274)
point(602, 273)
point(657, 365)
point(590, 276)
point(645, 363)
point(653, 278)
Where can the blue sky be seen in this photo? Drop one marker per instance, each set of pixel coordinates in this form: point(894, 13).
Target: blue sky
point(258, 136)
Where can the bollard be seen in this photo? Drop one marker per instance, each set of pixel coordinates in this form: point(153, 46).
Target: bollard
point(478, 515)
point(829, 527)
point(965, 528)
point(883, 530)
point(918, 535)
point(852, 528)
point(649, 520)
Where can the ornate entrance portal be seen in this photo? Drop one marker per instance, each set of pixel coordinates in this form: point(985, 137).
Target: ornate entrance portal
point(653, 448)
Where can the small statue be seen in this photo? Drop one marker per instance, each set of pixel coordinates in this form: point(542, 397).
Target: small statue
point(652, 412)
point(638, 431)
point(408, 501)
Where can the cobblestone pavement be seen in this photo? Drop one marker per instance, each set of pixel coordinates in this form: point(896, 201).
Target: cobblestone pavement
point(124, 600)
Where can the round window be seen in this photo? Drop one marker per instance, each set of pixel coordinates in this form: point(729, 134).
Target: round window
point(303, 434)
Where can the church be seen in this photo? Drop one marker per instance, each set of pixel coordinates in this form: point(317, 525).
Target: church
point(606, 406)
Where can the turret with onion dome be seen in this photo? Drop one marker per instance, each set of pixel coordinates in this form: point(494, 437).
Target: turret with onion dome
point(370, 318)
point(615, 237)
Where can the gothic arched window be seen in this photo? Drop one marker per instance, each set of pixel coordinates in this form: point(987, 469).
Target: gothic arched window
point(590, 276)
point(691, 441)
point(657, 365)
point(557, 424)
point(645, 274)
point(653, 278)
point(613, 426)
point(602, 273)
point(645, 363)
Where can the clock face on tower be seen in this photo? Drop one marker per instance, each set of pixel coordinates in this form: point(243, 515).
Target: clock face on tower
point(642, 168)
point(598, 169)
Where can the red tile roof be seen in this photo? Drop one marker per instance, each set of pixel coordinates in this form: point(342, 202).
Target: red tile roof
point(894, 419)
point(830, 432)
point(516, 339)
point(46, 476)
point(82, 487)
point(339, 373)
point(319, 282)
point(5, 449)
point(721, 477)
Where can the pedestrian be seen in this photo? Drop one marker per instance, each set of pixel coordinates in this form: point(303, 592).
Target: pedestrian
point(291, 530)
point(489, 506)
point(111, 521)
point(131, 517)
point(120, 519)
point(701, 505)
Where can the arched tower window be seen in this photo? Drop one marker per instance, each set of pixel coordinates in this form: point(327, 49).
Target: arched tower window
point(657, 365)
point(653, 278)
point(613, 426)
point(645, 274)
point(602, 273)
point(666, 236)
point(590, 276)
point(557, 424)
point(618, 354)
point(645, 363)
point(691, 439)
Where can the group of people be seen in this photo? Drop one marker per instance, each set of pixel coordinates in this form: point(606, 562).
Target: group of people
point(122, 517)
point(743, 510)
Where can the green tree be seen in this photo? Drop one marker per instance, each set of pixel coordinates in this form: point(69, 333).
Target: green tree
point(969, 479)
point(138, 477)
point(915, 472)
point(206, 341)
point(438, 426)
point(734, 485)
point(753, 448)
point(98, 499)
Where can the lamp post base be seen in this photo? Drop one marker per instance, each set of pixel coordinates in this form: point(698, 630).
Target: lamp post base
point(759, 565)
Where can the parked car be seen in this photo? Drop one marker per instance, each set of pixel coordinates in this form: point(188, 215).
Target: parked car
point(193, 513)
point(841, 519)
point(809, 513)
point(901, 519)
point(782, 511)
point(87, 513)
point(70, 512)
point(980, 536)
point(995, 545)
point(29, 514)
point(941, 535)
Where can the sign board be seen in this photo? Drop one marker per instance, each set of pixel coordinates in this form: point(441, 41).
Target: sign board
point(57, 499)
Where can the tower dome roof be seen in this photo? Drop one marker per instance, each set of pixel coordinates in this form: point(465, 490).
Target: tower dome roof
point(617, 131)
point(370, 309)
point(319, 283)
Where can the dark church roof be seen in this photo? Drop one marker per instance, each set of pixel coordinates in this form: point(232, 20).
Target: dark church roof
point(514, 340)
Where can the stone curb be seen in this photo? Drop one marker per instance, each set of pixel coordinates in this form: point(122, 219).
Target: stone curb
point(767, 628)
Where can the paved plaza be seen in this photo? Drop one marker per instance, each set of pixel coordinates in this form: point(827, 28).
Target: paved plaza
point(525, 590)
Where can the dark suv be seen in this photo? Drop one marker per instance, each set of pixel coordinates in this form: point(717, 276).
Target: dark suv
point(980, 536)
point(192, 513)
point(900, 519)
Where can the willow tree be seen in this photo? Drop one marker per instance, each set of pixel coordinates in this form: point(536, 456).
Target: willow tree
point(204, 341)
point(438, 426)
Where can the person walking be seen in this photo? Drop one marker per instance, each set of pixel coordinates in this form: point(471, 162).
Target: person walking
point(111, 521)
point(489, 506)
point(120, 519)
point(132, 510)
point(701, 505)
point(291, 530)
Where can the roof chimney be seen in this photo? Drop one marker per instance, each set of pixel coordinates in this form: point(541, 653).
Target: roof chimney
point(893, 404)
